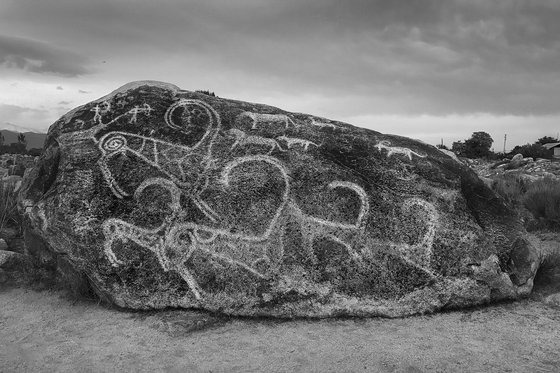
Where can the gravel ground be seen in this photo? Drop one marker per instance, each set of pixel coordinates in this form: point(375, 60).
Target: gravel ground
point(48, 332)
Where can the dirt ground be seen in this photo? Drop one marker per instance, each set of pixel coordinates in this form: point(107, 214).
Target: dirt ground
point(48, 332)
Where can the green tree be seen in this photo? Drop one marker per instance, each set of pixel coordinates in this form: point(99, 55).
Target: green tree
point(546, 140)
point(478, 145)
point(21, 139)
point(458, 147)
point(535, 150)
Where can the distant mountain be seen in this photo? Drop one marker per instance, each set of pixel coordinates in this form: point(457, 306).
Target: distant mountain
point(16, 128)
point(34, 140)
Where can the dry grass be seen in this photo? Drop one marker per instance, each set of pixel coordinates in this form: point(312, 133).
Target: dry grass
point(511, 187)
point(541, 197)
point(9, 215)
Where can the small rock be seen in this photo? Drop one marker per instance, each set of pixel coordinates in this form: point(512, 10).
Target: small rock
point(10, 261)
point(8, 233)
point(553, 300)
point(517, 157)
point(3, 245)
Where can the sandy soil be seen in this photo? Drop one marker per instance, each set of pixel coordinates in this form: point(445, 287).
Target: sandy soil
point(46, 331)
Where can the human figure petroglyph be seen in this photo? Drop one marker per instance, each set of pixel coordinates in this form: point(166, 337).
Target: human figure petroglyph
point(397, 150)
point(293, 141)
point(242, 139)
point(259, 119)
point(97, 117)
point(145, 109)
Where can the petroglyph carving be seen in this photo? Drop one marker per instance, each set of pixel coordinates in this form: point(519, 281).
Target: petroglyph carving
point(145, 109)
point(292, 141)
point(259, 119)
point(170, 236)
point(322, 124)
point(171, 159)
point(99, 110)
point(362, 213)
point(180, 234)
point(190, 112)
point(397, 150)
point(97, 116)
point(420, 254)
point(242, 139)
point(116, 229)
point(121, 103)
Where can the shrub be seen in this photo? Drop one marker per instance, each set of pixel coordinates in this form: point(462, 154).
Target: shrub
point(543, 200)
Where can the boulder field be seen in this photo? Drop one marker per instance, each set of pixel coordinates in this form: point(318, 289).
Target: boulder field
point(162, 197)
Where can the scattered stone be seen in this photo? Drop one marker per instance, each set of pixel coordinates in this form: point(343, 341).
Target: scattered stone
point(161, 197)
point(3, 245)
point(553, 300)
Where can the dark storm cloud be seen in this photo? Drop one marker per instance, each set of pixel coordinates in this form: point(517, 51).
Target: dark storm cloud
point(415, 56)
point(39, 57)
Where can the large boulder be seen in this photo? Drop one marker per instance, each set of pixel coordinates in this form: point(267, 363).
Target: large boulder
point(168, 198)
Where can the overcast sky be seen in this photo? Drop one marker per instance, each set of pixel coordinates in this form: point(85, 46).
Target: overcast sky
point(420, 68)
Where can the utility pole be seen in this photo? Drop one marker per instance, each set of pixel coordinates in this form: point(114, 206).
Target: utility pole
point(505, 139)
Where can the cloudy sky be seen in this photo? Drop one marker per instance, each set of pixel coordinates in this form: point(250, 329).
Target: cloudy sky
point(425, 69)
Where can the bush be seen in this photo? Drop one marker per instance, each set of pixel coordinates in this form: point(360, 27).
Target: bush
point(532, 150)
point(543, 201)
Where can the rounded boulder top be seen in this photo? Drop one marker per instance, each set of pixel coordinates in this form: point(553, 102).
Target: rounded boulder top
point(163, 197)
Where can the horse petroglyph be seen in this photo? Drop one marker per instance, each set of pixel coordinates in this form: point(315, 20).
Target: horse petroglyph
point(292, 141)
point(397, 150)
point(322, 124)
point(259, 119)
point(242, 139)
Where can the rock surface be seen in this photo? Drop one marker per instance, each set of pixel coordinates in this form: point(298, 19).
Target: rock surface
point(169, 198)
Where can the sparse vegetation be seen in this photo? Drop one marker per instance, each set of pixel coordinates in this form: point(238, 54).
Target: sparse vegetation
point(207, 93)
point(540, 197)
point(9, 215)
point(511, 187)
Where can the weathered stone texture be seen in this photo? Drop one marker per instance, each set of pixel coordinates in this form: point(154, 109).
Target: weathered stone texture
point(165, 197)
